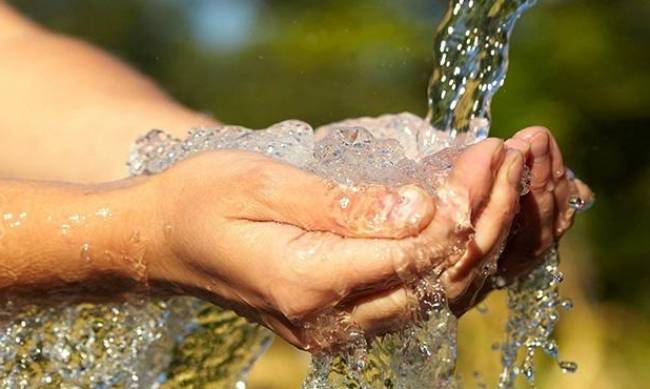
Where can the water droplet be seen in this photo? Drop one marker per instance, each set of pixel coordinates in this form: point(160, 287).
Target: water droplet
point(85, 252)
point(566, 304)
point(575, 202)
point(568, 367)
point(65, 229)
point(103, 212)
point(499, 282)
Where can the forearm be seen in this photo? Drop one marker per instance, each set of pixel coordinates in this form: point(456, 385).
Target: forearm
point(70, 111)
point(75, 238)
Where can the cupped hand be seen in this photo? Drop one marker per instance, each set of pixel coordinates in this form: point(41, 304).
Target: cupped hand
point(548, 210)
point(280, 245)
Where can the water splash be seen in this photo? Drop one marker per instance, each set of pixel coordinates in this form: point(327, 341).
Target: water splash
point(138, 343)
point(534, 309)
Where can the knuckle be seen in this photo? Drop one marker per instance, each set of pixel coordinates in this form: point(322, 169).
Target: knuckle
point(292, 303)
point(534, 132)
point(541, 130)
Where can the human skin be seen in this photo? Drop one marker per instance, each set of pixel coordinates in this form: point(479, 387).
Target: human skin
point(261, 237)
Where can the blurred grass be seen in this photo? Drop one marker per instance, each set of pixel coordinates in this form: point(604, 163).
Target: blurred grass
point(580, 67)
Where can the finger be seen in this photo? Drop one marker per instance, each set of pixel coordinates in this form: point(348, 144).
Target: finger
point(559, 170)
point(321, 132)
point(540, 149)
point(289, 195)
point(308, 271)
point(568, 190)
point(564, 190)
point(537, 230)
point(357, 266)
point(383, 311)
point(471, 178)
point(585, 194)
point(521, 145)
point(495, 220)
point(524, 148)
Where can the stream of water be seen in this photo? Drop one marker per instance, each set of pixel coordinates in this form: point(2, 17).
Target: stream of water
point(186, 342)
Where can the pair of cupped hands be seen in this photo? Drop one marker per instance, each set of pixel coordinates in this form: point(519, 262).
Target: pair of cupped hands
point(280, 245)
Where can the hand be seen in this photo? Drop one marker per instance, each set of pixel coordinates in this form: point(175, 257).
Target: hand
point(280, 245)
point(545, 212)
point(475, 210)
point(275, 243)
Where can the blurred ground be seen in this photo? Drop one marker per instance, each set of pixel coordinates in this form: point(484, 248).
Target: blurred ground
point(580, 67)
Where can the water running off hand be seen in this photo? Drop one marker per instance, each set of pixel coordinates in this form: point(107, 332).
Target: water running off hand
point(186, 342)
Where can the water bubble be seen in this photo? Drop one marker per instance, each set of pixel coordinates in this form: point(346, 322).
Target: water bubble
point(103, 212)
point(499, 282)
point(566, 304)
point(568, 367)
point(85, 252)
point(577, 203)
point(65, 229)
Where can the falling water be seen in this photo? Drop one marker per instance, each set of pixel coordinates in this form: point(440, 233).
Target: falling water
point(187, 342)
point(471, 60)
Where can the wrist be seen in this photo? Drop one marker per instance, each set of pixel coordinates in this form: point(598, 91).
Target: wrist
point(92, 241)
point(126, 237)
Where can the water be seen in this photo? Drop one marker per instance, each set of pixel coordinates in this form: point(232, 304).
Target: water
point(470, 62)
point(138, 343)
point(534, 305)
point(187, 342)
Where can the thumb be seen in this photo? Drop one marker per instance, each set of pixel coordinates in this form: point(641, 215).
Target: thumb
point(289, 195)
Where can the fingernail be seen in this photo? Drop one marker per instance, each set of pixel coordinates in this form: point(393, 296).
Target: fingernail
point(516, 166)
point(539, 149)
point(411, 207)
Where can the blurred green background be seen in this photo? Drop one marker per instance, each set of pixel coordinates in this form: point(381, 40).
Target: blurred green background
point(581, 68)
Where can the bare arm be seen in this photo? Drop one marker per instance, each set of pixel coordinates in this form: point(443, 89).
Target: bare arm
point(85, 240)
point(68, 110)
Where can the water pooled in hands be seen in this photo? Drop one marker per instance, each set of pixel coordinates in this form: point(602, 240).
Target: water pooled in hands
point(190, 343)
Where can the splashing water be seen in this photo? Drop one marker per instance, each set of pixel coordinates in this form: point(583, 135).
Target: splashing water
point(138, 343)
point(187, 342)
point(533, 303)
point(384, 150)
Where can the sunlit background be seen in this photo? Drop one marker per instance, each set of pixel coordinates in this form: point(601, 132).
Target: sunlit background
point(581, 68)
